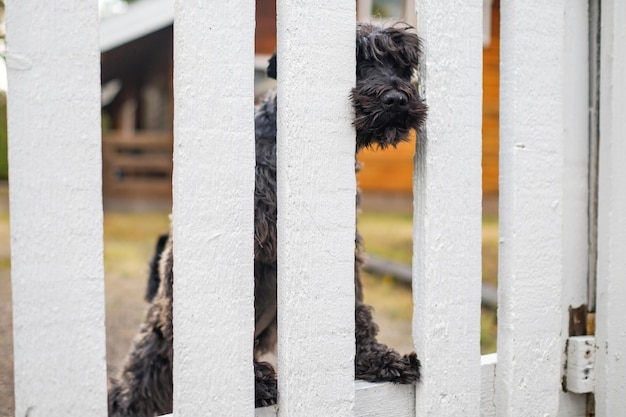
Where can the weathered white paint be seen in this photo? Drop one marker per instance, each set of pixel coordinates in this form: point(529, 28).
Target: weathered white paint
point(447, 190)
point(488, 385)
point(381, 399)
point(384, 399)
point(56, 208)
point(576, 159)
point(316, 216)
point(213, 188)
point(575, 178)
point(611, 272)
point(580, 371)
point(530, 342)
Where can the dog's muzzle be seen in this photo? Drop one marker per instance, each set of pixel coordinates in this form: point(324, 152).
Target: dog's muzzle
point(395, 101)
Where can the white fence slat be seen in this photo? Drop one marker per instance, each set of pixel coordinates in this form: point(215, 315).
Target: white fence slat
point(383, 399)
point(316, 208)
point(447, 190)
point(379, 399)
point(575, 179)
point(56, 208)
point(530, 346)
point(488, 365)
point(611, 276)
point(213, 189)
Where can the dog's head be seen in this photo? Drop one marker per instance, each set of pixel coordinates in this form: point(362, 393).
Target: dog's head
point(386, 103)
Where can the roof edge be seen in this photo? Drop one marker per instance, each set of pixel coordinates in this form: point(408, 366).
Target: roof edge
point(141, 19)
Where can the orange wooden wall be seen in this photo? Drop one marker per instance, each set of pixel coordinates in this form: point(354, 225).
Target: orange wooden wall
point(265, 38)
point(491, 105)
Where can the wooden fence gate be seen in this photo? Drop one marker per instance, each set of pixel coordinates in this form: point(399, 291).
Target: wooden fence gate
point(550, 78)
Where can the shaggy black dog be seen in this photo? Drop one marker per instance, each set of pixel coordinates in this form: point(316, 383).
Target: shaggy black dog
point(386, 107)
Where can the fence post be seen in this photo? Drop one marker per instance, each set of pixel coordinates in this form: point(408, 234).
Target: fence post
point(56, 208)
point(575, 240)
point(611, 276)
point(530, 347)
point(316, 208)
point(213, 189)
point(447, 190)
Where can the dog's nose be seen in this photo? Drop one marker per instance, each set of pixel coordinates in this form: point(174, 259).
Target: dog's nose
point(395, 99)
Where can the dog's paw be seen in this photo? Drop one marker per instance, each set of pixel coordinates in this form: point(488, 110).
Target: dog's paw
point(266, 393)
point(404, 370)
point(266, 390)
point(388, 366)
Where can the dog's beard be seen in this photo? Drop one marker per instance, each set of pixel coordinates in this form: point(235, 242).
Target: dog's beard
point(377, 126)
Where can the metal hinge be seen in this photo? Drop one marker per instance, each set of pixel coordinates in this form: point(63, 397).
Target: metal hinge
point(581, 360)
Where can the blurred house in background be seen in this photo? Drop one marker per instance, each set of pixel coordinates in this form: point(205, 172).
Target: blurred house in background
point(137, 102)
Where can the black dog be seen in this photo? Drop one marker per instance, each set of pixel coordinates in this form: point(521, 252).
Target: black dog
point(386, 107)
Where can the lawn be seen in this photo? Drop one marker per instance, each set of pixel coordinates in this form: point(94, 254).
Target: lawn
point(4, 166)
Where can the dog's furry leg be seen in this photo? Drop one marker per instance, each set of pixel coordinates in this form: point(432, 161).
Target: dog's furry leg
point(265, 386)
point(375, 361)
point(144, 387)
point(153, 278)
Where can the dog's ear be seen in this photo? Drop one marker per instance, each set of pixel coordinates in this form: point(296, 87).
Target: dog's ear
point(410, 45)
point(363, 41)
point(271, 67)
point(412, 48)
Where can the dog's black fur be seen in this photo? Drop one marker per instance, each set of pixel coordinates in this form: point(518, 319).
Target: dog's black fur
point(153, 278)
point(386, 107)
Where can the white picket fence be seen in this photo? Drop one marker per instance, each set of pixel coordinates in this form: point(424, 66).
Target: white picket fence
point(56, 211)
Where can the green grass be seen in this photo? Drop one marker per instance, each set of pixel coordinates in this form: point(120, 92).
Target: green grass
point(5, 255)
point(129, 242)
point(387, 235)
point(4, 164)
point(390, 236)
